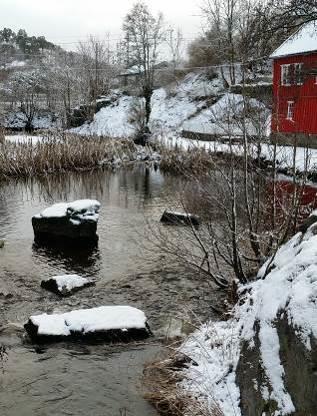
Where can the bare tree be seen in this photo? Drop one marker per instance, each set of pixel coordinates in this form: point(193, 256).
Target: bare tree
point(175, 39)
point(96, 68)
point(63, 84)
point(221, 17)
point(245, 215)
point(26, 91)
point(143, 37)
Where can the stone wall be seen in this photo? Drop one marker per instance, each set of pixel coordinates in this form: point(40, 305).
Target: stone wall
point(300, 139)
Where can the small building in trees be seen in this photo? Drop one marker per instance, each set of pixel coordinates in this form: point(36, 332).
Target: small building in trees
point(294, 117)
point(132, 76)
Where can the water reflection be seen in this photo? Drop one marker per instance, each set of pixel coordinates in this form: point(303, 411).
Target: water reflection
point(77, 380)
point(126, 198)
point(82, 260)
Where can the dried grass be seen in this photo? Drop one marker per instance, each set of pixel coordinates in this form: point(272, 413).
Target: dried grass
point(195, 161)
point(161, 380)
point(60, 153)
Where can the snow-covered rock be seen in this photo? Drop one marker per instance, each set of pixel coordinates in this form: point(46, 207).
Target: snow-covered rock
point(179, 218)
point(108, 323)
point(65, 285)
point(75, 220)
point(263, 359)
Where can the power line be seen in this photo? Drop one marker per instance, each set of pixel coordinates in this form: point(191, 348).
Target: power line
point(219, 66)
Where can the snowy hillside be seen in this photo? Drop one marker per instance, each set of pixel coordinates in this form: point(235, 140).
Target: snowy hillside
point(170, 108)
point(196, 104)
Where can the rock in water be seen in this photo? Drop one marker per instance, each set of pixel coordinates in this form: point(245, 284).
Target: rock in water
point(105, 323)
point(180, 218)
point(1, 243)
point(75, 222)
point(66, 285)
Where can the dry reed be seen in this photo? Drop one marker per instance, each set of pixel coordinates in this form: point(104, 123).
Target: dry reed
point(161, 380)
point(60, 153)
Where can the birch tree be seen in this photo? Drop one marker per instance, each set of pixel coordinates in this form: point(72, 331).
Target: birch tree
point(143, 35)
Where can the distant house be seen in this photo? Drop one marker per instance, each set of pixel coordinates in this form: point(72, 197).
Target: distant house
point(295, 88)
point(132, 75)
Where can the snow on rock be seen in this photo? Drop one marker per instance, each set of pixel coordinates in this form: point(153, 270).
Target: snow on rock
point(75, 220)
point(111, 121)
point(183, 218)
point(120, 323)
point(65, 285)
point(286, 289)
point(83, 208)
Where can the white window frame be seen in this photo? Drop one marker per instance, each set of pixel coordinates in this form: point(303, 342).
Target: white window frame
point(284, 76)
point(300, 74)
point(290, 110)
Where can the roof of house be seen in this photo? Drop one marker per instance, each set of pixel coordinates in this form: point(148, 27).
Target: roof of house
point(302, 41)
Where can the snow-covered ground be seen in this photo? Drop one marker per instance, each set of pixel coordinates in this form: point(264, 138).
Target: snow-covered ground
point(222, 118)
point(170, 109)
point(305, 158)
point(86, 321)
point(110, 121)
point(291, 288)
point(42, 121)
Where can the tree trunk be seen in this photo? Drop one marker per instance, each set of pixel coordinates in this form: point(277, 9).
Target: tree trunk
point(147, 92)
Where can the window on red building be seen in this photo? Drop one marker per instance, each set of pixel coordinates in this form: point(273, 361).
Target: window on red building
point(286, 74)
point(292, 74)
point(290, 110)
point(298, 74)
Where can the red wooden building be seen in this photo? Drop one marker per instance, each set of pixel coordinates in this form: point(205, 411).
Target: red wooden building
point(295, 88)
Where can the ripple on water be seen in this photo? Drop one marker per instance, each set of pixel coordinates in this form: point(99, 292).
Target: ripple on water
point(67, 379)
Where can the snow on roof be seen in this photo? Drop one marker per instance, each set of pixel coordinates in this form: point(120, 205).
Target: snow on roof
point(303, 41)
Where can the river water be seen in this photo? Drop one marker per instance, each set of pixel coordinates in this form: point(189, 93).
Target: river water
point(77, 379)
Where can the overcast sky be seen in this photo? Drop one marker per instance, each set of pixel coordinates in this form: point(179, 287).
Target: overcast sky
point(66, 21)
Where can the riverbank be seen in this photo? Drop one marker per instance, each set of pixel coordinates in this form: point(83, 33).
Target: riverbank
point(257, 360)
point(29, 156)
point(55, 152)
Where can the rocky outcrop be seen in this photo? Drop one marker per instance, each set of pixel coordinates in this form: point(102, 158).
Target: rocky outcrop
point(300, 375)
point(263, 359)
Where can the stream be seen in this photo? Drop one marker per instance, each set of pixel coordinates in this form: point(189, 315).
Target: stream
point(74, 378)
